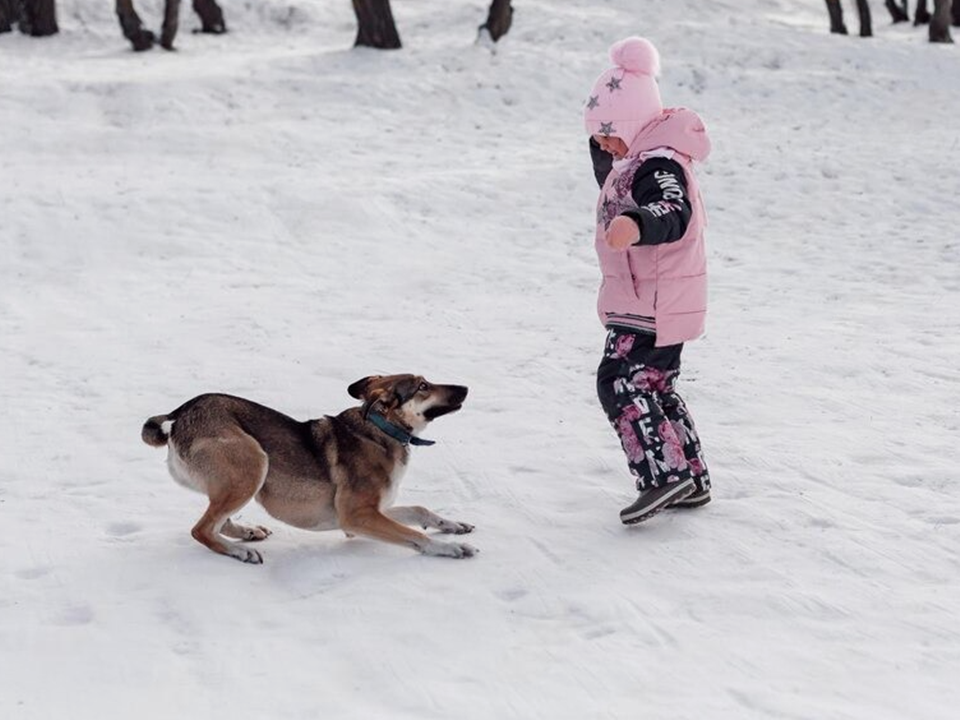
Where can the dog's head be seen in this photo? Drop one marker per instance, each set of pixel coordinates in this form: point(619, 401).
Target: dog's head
point(407, 400)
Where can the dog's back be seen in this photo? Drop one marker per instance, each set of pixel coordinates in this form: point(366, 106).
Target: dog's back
point(211, 415)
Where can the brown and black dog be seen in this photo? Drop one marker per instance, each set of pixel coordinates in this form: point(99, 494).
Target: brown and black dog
point(338, 471)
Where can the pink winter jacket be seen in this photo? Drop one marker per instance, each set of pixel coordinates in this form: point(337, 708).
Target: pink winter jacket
point(658, 288)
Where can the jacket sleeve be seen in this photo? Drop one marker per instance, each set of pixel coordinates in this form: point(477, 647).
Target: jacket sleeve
point(602, 162)
point(660, 191)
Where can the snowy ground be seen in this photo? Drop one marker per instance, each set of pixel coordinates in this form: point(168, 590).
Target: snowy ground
point(273, 214)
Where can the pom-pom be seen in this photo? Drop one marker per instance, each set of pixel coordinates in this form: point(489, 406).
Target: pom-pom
point(636, 54)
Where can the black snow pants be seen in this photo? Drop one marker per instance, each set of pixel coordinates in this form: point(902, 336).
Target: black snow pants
point(636, 385)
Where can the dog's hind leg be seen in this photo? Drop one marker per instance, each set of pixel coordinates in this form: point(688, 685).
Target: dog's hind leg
point(234, 469)
point(416, 515)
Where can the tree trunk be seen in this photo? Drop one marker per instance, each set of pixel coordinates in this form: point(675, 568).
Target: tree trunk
point(898, 13)
point(940, 22)
point(375, 26)
point(956, 13)
point(132, 27)
point(922, 15)
point(499, 18)
point(211, 17)
point(836, 17)
point(171, 21)
point(864, 10)
point(39, 17)
point(9, 14)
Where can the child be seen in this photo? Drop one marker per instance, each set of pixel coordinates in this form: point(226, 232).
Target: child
point(649, 240)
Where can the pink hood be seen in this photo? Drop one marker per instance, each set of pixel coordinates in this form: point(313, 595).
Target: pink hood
point(677, 128)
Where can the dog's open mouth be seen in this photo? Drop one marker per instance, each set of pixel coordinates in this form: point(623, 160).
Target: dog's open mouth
point(438, 410)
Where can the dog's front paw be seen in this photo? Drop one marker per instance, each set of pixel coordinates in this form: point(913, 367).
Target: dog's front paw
point(454, 550)
point(452, 527)
point(256, 533)
point(246, 555)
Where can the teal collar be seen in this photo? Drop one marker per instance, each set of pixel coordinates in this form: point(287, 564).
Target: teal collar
point(397, 433)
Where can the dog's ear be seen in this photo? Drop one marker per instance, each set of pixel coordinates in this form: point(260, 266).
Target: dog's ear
point(404, 390)
point(359, 389)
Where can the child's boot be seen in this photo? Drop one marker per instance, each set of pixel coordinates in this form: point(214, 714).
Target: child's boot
point(656, 499)
point(697, 498)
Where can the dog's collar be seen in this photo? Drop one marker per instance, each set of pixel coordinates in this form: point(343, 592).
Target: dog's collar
point(397, 433)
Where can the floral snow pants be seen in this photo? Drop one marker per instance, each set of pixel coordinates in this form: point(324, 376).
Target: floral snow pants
point(635, 383)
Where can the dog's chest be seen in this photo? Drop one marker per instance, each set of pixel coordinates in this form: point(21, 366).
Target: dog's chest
point(393, 485)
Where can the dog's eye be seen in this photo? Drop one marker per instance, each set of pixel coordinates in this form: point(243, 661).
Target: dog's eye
point(423, 387)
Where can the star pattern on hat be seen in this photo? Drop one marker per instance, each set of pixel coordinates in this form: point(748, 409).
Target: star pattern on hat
point(593, 102)
point(614, 84)
point(606, 129)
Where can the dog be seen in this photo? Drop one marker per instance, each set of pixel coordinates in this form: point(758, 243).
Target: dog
point(336, 472)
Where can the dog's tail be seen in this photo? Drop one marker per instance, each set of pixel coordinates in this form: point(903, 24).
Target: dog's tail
point(154, 433)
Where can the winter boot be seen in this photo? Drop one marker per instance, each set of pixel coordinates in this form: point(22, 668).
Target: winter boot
point(697, 498)
point(656, 499)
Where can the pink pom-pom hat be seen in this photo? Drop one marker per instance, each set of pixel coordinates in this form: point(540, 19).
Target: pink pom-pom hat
point(626, 97)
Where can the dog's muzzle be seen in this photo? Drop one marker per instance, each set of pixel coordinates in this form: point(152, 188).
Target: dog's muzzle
point(455, 395)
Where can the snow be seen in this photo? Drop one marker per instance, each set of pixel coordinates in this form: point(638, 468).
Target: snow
point(273, 214)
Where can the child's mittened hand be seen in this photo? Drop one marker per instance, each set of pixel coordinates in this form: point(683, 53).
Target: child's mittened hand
point(622, 233)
